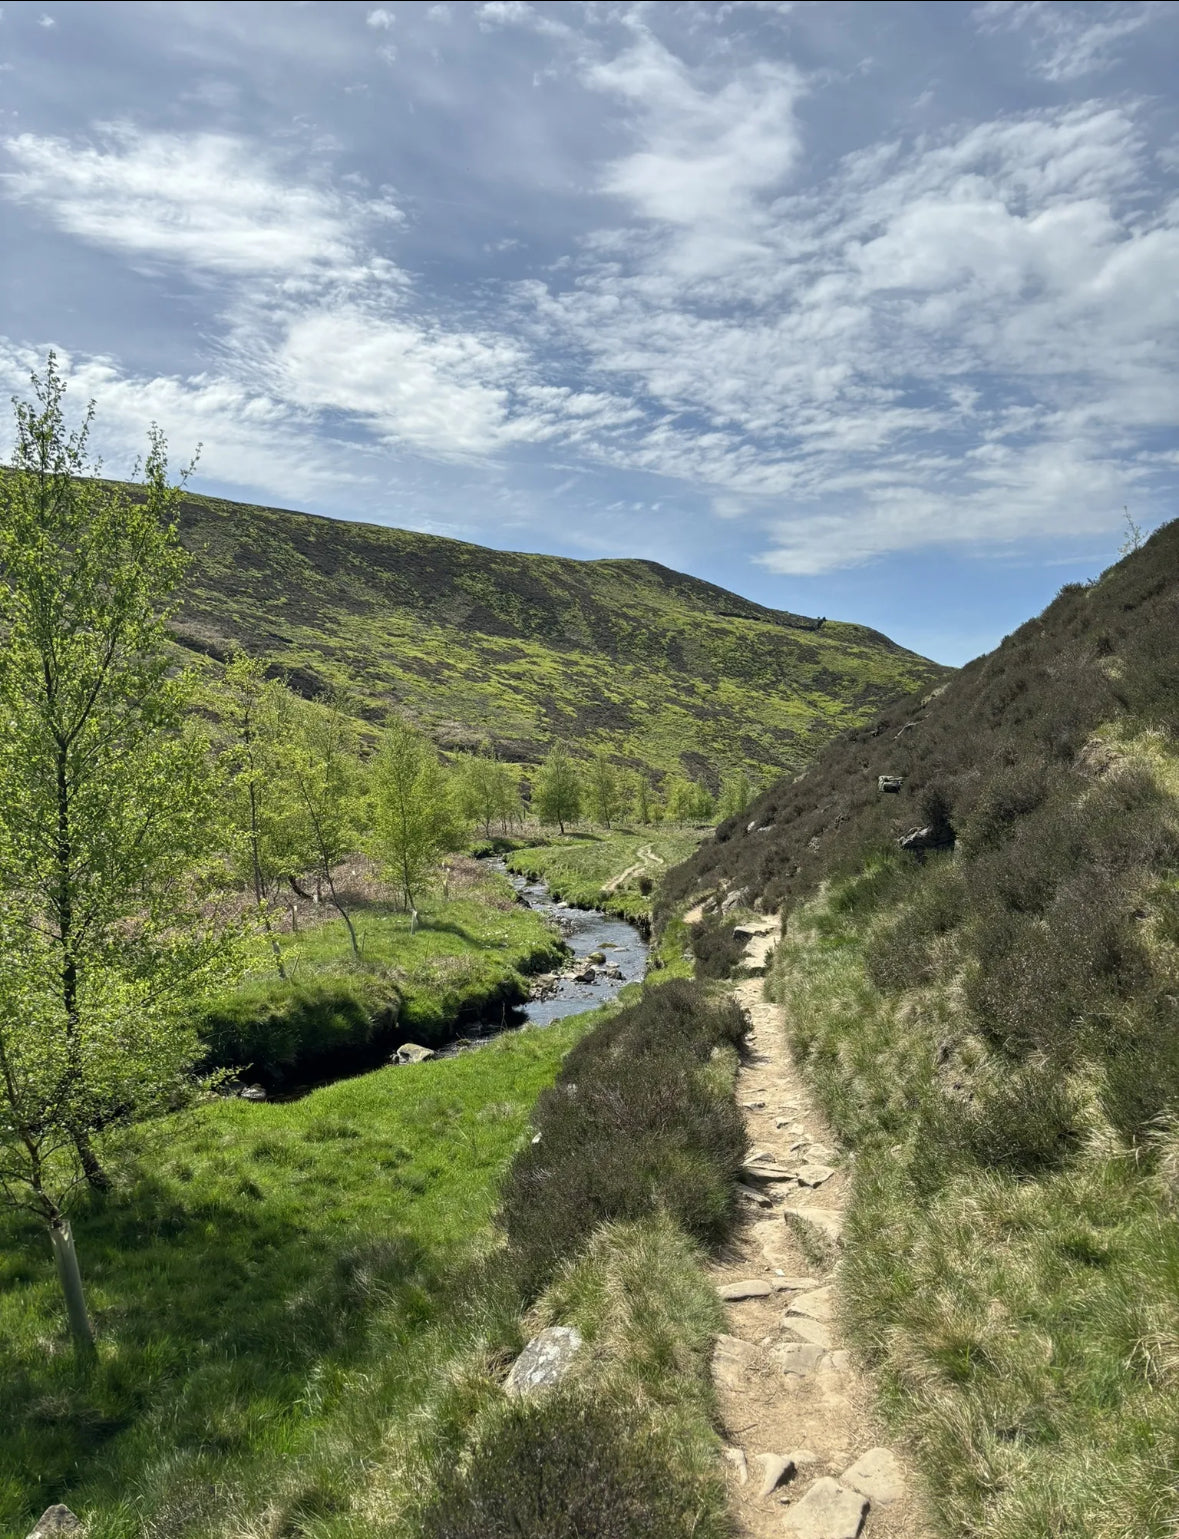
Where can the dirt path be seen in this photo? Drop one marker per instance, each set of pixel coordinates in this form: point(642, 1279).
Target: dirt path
point(647, 857)
point(808, 1458)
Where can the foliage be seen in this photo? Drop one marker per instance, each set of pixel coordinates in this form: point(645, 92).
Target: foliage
point(106, 808)
point(558, 793)
point(606, 791)
point(415, 818)
point(489, 792)
point(637, 1124)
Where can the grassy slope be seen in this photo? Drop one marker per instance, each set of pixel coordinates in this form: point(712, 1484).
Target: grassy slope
point(276, 1286)
point(994, 1033)
point(580, 867)
point(661, 670)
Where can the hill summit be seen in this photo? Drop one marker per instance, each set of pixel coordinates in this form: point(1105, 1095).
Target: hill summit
point(665, 672)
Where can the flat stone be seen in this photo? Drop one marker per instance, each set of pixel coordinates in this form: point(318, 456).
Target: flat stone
point(759, 1198)
point(754, 929)
point(796, 1284)
point(544, 1361)
point(812, 1174)
point(840, 1361)
point(775, 1469)
point(829, 1221)
point(766, 1172)
point(878, 1475)
point(57, 1519)
point(819, 1304)
point(820, 1152)
point(731, 1360)
point(750, 1288)
point(803, 1456)
point(827, 1511)
point(753, 1105)
point(799, 1357)
point(808, 1330)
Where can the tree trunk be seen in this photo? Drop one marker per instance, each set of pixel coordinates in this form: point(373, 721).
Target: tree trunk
point(96, 1178)
point(70, 1278)
point(344, 915)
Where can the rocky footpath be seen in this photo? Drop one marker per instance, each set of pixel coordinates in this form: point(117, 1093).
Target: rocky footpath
point(806, 1454)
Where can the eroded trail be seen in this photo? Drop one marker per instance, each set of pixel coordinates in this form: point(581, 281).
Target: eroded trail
point(807, 1454)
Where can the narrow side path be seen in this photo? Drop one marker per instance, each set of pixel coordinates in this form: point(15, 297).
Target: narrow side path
point(807, 1456)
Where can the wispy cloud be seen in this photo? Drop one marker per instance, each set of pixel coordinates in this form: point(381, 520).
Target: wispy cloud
point(1068, 40)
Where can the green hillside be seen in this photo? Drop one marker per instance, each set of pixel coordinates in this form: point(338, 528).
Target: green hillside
point(661, 670)
point(980, 970)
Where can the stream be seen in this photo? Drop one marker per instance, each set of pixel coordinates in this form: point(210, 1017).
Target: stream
point(585, 931)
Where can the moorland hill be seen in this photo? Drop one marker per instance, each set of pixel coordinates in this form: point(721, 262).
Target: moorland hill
point(663, 671)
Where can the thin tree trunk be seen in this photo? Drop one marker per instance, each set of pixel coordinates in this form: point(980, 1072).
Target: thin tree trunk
point(344, 914)
point(70, 1278)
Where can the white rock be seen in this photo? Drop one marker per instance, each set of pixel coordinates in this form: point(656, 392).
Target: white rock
point(809, 1330)
point(56, 1520)
point(814, 1175)
point(412, 1052)
point(878, 1475)
point(544, 1361)
point(827, 1511)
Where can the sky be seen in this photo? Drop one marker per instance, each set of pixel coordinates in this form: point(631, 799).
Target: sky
point(868, 311)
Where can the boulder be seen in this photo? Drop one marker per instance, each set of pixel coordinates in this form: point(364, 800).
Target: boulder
point(56, 1520)
point(544, 1361)
point(827, 1511)
point(586, 975)
point(934, 836)
point(889, 783)
point(412, 1052)
point(750, 929)
point(596, 956)
point(246, 1093)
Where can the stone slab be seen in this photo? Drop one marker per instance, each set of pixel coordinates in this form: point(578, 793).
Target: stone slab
point(827, 1511)
point(878, 1475)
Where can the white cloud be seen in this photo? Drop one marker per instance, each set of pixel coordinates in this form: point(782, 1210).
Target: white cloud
point(503, 13)
point(1068, 41)
point(46, 21)
point(213, 201)
point(380, 18)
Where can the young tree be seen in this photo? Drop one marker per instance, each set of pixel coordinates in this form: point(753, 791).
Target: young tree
point(681, 799)
point(260, 809)
point(415, 816)
point(106, 812)
point(641, 805)
point(488, 791)
point(605, 790)
point(322, 764)
point(736, 794)
point(557, 793)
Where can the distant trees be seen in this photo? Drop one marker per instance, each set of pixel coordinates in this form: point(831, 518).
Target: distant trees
point(416, 818)
point(488, 792)
point(736, 794)
point(107, 814)
point(606, 791)
point(688, 801)
point(557, 794)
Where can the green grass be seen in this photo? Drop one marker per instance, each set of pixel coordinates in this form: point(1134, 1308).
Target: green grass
point(468, 959)
point(578, 867)
point(1023, 1325)
point(274, 1287)
point(663, 672)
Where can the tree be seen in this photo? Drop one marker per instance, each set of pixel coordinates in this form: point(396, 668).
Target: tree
point(681, 798)
point(253, 710)
point(642, 802)
point(736, 794)
point(557, 793)
point(107, 808)
point(488, 791)
point(415, 816)
point(323, 766)
point(605, 790)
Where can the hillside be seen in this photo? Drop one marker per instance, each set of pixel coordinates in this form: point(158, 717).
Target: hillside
point(981, 975)
point(664, 671)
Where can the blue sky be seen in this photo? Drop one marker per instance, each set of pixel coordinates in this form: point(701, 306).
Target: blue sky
point(862, 310)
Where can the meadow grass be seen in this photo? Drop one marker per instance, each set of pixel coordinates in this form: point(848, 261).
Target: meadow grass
point(274, 1286)
point(579, 867)
point(1023, 1323)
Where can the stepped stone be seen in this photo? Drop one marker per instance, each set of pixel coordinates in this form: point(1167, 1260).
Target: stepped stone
point(808, 1330)
point(56, 1520)
point(829, 1221)
point(827, 1511)
point(731, 1361)
point(814, 1175)
point(750, 1288)
point(877, 1474)
point(544, 1361)
point(818, 1304)
point(775, 1469)
point(799, 1357)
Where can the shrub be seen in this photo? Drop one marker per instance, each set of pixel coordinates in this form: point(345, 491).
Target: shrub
point(567, 1468)
point(714, 948)
point(635, 1125)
